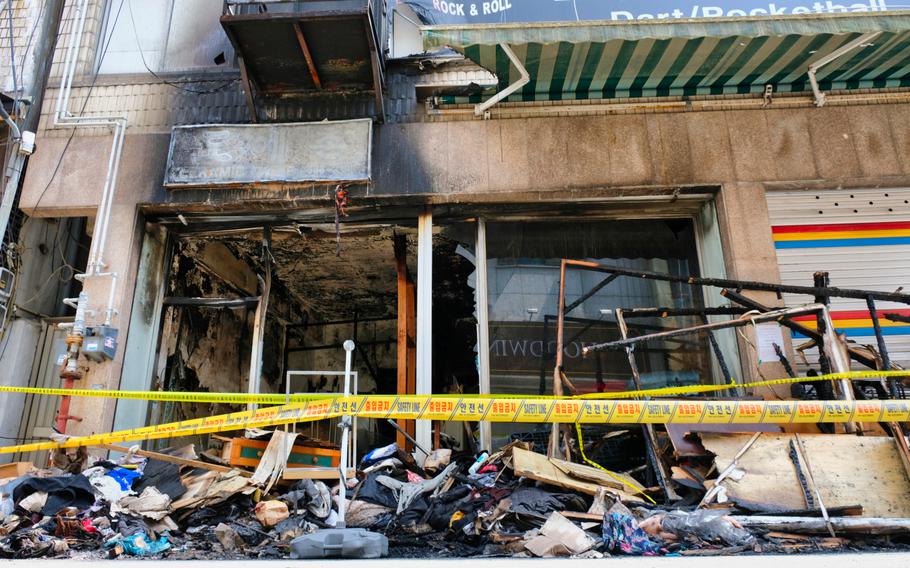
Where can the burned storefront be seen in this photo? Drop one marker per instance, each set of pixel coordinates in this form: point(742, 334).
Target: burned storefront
point(520, 282)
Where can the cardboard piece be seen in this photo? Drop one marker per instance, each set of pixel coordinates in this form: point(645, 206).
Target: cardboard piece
point(566, 533)
point(847, 469)
point(537, 467)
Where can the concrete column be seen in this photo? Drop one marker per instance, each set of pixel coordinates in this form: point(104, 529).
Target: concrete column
point(121, 257)
point(140, 353)
point(750, 255)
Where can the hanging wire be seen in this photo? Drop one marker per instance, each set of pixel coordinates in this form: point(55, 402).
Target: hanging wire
point(5, 247)
point(160, 78)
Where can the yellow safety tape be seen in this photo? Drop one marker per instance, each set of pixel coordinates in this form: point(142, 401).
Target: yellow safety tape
point(173, 396)
point(530, 410)
point(698, 389)
point(261, 418)
point(280, 399)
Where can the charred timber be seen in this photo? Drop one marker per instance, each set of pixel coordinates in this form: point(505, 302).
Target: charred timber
point(745, 284)
point(680, 312)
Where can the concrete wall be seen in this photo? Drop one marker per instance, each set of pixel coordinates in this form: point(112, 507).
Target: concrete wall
point(17, 351)
point(75, 191)
point(743, 152)
point(48, 250)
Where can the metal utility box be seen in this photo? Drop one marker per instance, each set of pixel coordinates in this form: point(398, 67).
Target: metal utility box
point(6, 284)
point(100, 343)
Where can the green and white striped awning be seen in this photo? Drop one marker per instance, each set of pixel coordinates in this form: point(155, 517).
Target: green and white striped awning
point(606, 60)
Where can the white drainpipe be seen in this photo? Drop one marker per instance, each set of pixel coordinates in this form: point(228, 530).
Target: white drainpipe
point(64, 118)
point(846, 48)
point(482, 108)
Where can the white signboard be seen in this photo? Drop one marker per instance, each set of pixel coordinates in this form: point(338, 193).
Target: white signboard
point(268, 154)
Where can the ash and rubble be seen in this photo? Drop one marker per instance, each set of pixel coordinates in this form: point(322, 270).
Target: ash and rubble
point(454, 504)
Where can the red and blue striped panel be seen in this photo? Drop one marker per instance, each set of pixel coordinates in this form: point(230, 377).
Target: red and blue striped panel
point(858, 323)
point(841, 235)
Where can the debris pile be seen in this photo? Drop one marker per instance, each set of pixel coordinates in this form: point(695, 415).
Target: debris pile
point(515, 502)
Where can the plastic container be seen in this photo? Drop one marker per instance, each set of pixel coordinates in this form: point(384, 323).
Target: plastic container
point(340, 543)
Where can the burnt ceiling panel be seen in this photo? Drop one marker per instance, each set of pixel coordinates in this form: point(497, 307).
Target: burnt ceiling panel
point(361, 281)
point(291, 53)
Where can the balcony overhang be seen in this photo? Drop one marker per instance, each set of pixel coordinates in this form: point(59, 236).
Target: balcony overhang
point(269, 156)
point(652, 58)
point(308, 48)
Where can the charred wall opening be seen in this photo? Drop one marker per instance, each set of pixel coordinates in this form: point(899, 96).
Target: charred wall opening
point(325, 288)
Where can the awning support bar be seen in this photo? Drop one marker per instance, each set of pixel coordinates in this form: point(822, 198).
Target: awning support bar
point(842, 50)
point(482, 108)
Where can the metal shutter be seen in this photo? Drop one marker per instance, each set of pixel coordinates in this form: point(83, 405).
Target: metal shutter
point(862, 238)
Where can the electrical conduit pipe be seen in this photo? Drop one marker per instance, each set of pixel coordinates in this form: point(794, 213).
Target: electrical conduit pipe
point(96, 266)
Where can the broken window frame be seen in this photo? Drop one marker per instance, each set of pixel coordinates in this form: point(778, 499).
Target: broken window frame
point(709, 255)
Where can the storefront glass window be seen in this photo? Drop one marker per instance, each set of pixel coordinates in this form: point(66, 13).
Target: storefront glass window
point(523, 260)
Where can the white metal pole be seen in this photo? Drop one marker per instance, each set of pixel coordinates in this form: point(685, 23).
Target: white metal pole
point(861, 41)
point(523, 79)
point(255, 376)
point(423, 429)
point(345, 431)
point(481, 289)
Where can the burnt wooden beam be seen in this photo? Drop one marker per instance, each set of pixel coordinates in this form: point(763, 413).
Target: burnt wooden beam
point(211, 302)
point(248, 90)
point(676, 312)
point(797, 327)
point(305, 48)
point(897, 318)
point(744, 284)
point(822, 280)
point(406, 337)
point(375, 59)
point(597, 288)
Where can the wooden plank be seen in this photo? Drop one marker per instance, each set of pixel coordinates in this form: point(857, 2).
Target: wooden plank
point(594, 475)
point(787, 536)
point(537, 467)
point(727, 551)
point(581, 516)
point(849, 470)
point(816, 525)
point(174, 459)
point(313, 473)
point(819, 543)
point(259, 323)
point(848, 511)
point(411, 388)
point(15, 469)
point(900, 442)
point(685, 444)
point(401, 269)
